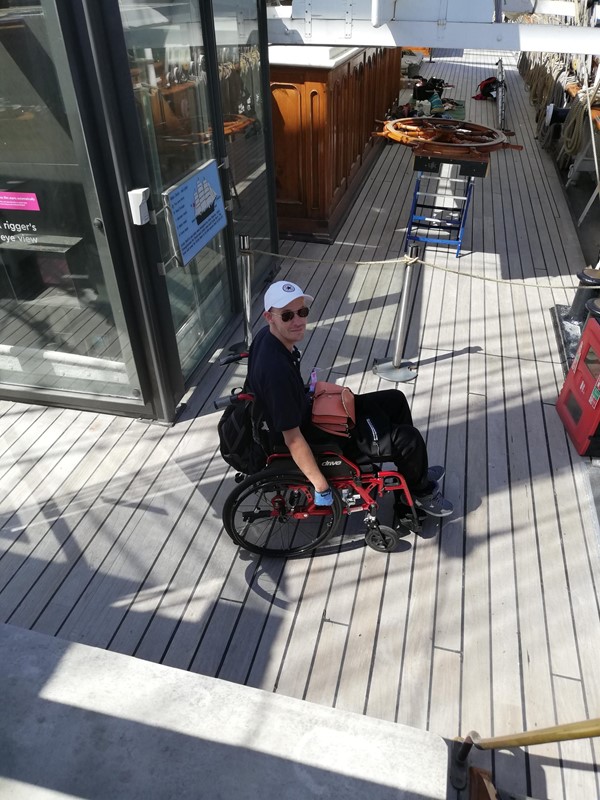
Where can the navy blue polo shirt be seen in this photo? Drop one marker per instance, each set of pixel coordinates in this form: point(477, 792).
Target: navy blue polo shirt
point(274, 378)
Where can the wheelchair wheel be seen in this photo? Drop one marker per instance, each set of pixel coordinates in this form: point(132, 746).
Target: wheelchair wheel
point(383, 539)
point(268, 514)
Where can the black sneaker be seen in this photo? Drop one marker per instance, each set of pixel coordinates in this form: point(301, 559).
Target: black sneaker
point(435, 473)
point(434, 503)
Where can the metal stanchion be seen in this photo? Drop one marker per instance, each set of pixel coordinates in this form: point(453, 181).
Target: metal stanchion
point(247, 260)
point(395, 369)
point(588, 289)
point(569, 321)
point(247, 264)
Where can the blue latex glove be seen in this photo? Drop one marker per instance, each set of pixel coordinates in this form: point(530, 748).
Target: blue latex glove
point(324, 498)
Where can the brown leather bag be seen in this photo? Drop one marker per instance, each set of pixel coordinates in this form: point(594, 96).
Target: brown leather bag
point(333, 408)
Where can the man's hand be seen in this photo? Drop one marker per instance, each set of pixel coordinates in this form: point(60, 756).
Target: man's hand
point(324, 498)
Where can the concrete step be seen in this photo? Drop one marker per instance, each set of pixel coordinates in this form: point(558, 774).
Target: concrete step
point(77, 721)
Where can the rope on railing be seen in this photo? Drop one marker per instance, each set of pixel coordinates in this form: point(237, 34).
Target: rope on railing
point(410, 260)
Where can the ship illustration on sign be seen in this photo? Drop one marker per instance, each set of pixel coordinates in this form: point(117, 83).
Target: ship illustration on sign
point(204, 200)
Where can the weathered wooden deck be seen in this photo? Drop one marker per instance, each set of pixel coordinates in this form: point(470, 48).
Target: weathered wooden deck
point(110, 530)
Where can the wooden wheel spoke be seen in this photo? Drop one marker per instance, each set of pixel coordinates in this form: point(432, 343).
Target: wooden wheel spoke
point(425, 132)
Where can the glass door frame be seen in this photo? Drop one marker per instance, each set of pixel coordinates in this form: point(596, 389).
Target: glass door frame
point(120, 158)
point(102, 99)
point(103, 26)
point(263, 46)
point(106, 17)
point(81, 98)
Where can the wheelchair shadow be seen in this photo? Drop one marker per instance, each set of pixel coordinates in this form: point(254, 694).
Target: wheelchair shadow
point(264, 574)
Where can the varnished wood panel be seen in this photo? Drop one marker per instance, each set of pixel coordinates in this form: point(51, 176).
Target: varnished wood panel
point(325, 148)
point(287, 107)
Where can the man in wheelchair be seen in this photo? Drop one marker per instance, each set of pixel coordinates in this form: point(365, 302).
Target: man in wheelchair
point(384, 429)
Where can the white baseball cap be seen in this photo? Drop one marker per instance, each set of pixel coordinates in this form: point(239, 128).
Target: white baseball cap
point(281, 293)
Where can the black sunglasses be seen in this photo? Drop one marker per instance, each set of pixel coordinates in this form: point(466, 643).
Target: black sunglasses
point(288, 316)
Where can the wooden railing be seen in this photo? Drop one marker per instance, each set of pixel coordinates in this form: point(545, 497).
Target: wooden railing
point(587, 729)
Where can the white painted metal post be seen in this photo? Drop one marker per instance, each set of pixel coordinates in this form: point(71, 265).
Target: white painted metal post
point(404, 308)
point(247, 259)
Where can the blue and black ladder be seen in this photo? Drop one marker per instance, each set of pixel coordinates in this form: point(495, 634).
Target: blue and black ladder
point(439, 208)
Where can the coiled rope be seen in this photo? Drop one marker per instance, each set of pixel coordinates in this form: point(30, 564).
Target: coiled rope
point(549, 89)
point(572, 135)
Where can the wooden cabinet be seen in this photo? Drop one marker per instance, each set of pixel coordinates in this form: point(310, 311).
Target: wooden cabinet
point(324, 117)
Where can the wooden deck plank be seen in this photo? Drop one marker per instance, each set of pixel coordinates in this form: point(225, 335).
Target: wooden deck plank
point(195, 600)
point(387, 666)
point(490, 621)
point(238, 621)
point(96, 533)
point(446, 419)
point(22, 433)
point(177, 620)
point(253, 592)
point(579, 779)
point(295, 669)
point(503, 670)
point(58, 535)
point(329, 655)
point(355, 676)
point(166, 490)
point(476, 645)
point(267, 669)
point(505, 688)
point(45, 527)
point(446, 669)
point(380, 315)
point(26, 476)
point(10, 413)
point(535, 668)
point(159, 591)
point(416, 661)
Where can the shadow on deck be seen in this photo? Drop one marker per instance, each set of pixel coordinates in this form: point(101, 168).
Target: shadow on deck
point(111, 535)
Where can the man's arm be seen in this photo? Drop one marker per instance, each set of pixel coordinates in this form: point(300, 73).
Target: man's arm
point(304, 458)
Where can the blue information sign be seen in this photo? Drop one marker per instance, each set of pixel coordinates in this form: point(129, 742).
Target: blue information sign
point(195, 210)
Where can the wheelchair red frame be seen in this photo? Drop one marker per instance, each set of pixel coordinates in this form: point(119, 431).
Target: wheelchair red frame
point(273, 512)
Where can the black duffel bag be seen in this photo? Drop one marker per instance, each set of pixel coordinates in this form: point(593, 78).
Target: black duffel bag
point(425, 87)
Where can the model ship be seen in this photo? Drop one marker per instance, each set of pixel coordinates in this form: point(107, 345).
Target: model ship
point(204, 200)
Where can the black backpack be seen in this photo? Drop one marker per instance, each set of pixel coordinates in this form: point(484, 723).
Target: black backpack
point(239, 438)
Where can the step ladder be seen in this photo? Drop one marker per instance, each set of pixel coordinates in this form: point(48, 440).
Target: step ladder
point(439, 208)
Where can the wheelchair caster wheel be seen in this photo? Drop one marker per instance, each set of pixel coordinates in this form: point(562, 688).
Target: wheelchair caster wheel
point(383, 539)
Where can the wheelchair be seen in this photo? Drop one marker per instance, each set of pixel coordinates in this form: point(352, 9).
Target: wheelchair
point(273, 512)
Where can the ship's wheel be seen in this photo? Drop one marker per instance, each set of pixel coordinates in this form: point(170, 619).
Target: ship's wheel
point(446, 137)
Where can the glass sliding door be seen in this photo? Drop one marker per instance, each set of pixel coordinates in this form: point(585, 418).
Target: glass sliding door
point(168, 66)
point(62, 325)
point(245, 123)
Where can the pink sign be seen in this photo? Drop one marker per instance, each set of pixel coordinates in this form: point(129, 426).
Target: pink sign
point(19, 201)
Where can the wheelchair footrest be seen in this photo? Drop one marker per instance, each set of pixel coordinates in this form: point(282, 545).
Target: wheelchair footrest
point(390, 481)
point(404, 518)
